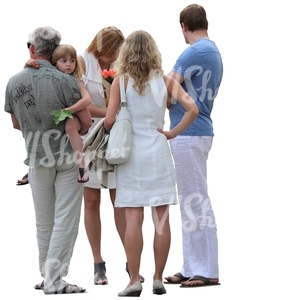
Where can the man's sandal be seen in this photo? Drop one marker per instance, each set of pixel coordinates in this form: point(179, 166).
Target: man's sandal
point(199, 281)
point(179, 279)
point(68, 289)
point(24, 180)
point(39, 286)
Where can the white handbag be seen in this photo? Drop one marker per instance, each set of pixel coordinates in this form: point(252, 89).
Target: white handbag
point(119, 141)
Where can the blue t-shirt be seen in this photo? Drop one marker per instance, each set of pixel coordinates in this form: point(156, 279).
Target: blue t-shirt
point(202, 68)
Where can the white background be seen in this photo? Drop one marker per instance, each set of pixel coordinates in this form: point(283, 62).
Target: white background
point(253, 165)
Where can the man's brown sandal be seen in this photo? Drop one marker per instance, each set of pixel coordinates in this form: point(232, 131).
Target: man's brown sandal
point(181, 278)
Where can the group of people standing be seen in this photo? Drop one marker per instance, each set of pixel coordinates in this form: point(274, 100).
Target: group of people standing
point(150, 175)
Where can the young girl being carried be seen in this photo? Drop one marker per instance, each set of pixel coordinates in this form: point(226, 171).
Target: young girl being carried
point(65, 59)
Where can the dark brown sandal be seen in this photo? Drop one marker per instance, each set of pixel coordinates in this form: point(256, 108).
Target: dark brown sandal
point(181, 278)
point(72, 288)
point(100, 274)
point(199, 281)
point(68, 289)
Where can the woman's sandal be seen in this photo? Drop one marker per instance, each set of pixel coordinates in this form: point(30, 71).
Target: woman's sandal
point(82, 171)
point(24, 180)
point(142, 279)
point(100, 274)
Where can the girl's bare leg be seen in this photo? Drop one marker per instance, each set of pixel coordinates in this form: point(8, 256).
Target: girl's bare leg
point(85, 120)
point(72, 129)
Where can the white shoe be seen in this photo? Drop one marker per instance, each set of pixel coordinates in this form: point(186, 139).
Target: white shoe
point(158, 287)
point(132, 291)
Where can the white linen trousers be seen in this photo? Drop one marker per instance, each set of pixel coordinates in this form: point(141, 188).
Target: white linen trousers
point(57, 198)
point(199, 231)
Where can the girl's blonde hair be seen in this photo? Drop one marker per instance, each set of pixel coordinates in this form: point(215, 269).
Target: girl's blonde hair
point(140, 58)
point(65, 51)
point(106, 43)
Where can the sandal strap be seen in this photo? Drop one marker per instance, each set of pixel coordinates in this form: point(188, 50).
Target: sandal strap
point(142, 279)
point(72, 288)
point(100, 272)
point(198, 277)
point(179, 275)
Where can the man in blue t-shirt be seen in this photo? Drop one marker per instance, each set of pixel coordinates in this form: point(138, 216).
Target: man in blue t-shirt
point(199, 69)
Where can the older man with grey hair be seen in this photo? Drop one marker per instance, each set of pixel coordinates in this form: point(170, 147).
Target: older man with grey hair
point(31, 96)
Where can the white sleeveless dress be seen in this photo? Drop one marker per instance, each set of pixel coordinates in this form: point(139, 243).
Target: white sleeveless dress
point(147, 178)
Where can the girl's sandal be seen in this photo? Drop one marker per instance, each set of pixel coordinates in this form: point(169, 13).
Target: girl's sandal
point(82, 171)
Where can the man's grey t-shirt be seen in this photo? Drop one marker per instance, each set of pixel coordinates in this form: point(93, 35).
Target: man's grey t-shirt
point(31, 95)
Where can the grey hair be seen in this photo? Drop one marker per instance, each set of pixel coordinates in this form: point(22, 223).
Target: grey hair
point(45, 39)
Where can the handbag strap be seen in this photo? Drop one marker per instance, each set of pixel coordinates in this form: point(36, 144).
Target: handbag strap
point(122, 90)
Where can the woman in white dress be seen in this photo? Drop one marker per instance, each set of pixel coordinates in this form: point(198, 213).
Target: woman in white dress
point(147, 178)
point(101, 54)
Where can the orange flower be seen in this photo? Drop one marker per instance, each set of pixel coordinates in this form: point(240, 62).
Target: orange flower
point(109, 75)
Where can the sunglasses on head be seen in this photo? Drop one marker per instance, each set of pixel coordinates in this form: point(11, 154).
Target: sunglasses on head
point(28, 45)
